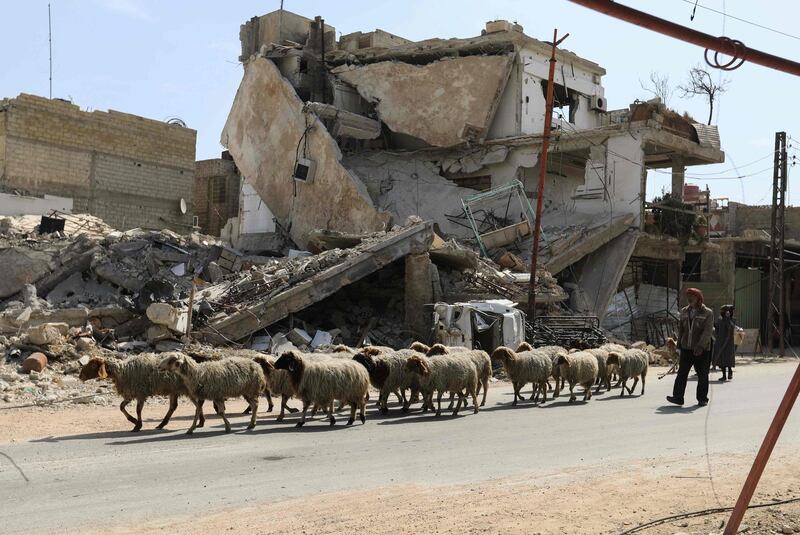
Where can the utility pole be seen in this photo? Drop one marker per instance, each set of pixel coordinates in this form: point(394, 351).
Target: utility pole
point(50, 40)
point(777, 293)
point(537, 224)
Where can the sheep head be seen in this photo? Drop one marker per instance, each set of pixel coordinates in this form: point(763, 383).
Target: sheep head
point(94, 369)
point(419, 347)
point(366, 360)
point(372, 350)
point(438, 349)
point(417, 365)
point(172, 363)
point(292, 362)
point(504, 354)
point(524, 346)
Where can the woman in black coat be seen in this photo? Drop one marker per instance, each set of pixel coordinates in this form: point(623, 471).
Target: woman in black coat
point(724, 349)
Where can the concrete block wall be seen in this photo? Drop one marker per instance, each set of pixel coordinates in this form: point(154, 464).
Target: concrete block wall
point(128, 170)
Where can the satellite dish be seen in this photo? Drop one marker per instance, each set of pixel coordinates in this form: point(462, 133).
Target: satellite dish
point(183, 205)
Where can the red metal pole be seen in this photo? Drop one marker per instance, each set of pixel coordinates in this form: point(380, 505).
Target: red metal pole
point(719, 44)
point(764, 452)
point(537, 224)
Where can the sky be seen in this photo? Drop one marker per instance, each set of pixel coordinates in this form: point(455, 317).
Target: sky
point(179, 58)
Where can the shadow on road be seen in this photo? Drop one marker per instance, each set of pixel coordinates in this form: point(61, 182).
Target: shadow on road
point(672, 409)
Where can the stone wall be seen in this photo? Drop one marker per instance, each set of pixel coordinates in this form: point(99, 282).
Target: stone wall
point(128, 170)
point(742, 217)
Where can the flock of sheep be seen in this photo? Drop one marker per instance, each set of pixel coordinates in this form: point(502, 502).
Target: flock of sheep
point(345, 375)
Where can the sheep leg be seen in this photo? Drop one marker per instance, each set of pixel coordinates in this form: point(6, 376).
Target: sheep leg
point(452, 397)
point(401, 396)
point(439, 402)
point(122, 406)
point(270, 404)
point(225, 420)
point(352, 414)
point(475, 407)
point(303, 418)
point(383, 400)
point(361, 408)
point(458, 405)
point(587, 391)
point(534, 391)
point(543, 388)
point(330, 413)
point(198, 412)
point(635, 382)
point(516, 392)
point(341, 406)
point(485, 390)
point(202, 421)
point(139, 407)
point(253, 402)
point(173, 404)
point(572, 396)
point(623, 382)
point(643, 376)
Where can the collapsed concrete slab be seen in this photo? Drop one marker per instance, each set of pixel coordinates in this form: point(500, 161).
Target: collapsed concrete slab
point(267, 130)
point(443, 103)
point(269, 306)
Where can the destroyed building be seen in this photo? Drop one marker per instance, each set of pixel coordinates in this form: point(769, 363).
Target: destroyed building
point(127, 170)
point(356, 134)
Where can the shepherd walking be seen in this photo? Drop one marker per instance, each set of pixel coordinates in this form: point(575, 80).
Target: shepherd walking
point(695, 327)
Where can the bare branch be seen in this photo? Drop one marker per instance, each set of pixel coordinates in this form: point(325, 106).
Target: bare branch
point(659, 86)
point(701, 84)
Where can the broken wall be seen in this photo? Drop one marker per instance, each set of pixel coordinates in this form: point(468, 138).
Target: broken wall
point(444, 103)
point(216, 194)
point(127, 170)
point(266, 131)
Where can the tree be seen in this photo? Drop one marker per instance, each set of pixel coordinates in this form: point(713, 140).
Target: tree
point(659, 87)
point(701, 84)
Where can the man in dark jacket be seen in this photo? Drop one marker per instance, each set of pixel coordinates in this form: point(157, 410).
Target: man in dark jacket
point(695, 327)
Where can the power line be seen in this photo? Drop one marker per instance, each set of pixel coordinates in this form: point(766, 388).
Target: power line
point(741, 20)
point(702, 178)
point(735, 168)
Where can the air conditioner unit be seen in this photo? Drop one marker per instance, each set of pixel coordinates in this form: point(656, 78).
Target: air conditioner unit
point(598, 102)
point(304, 170)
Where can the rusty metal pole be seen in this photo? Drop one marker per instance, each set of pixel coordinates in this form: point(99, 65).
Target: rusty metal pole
point(729, 47)
point(537, 224)
point(764, 452)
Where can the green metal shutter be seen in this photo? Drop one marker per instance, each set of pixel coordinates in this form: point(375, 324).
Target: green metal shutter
point(748, 298)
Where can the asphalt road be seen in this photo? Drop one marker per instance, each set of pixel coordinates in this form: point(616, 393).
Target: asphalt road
point(59, 483)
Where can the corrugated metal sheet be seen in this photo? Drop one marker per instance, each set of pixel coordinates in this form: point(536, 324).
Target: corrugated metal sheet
point(748, 298)
point(708, 136)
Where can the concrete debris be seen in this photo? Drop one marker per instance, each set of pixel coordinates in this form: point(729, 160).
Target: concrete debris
point(169, 316)
point(47, 333)
point(35, 363)
point(299, 337)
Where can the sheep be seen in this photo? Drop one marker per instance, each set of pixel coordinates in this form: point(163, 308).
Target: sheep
point(386, 374)
point(221, 379)
point(137, 378)
point(603, 377)
point(481, 360)
point(631, 363)
point(529, 366)
point(553, 352)
point(617, 348)
point(278, 384)
point(320, 382)
point(446, 373)
point(578, 368)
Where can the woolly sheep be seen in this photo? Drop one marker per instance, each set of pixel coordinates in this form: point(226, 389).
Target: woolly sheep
point(386, 373)
point(631, 363)
point(217, 380)
point(137, 378)
point(531, 366)
point(578, 369)
point(446, 373)
point(481, 360)
point(553, 352)
point(320, 382)
point(603, 377)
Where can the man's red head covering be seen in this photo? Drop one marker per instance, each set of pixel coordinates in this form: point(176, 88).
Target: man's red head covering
point(695, 292)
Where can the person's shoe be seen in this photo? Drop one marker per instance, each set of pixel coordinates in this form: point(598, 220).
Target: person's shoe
point(702, 403)
point(674, 400)
point(723, 377)
point(730, 374)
